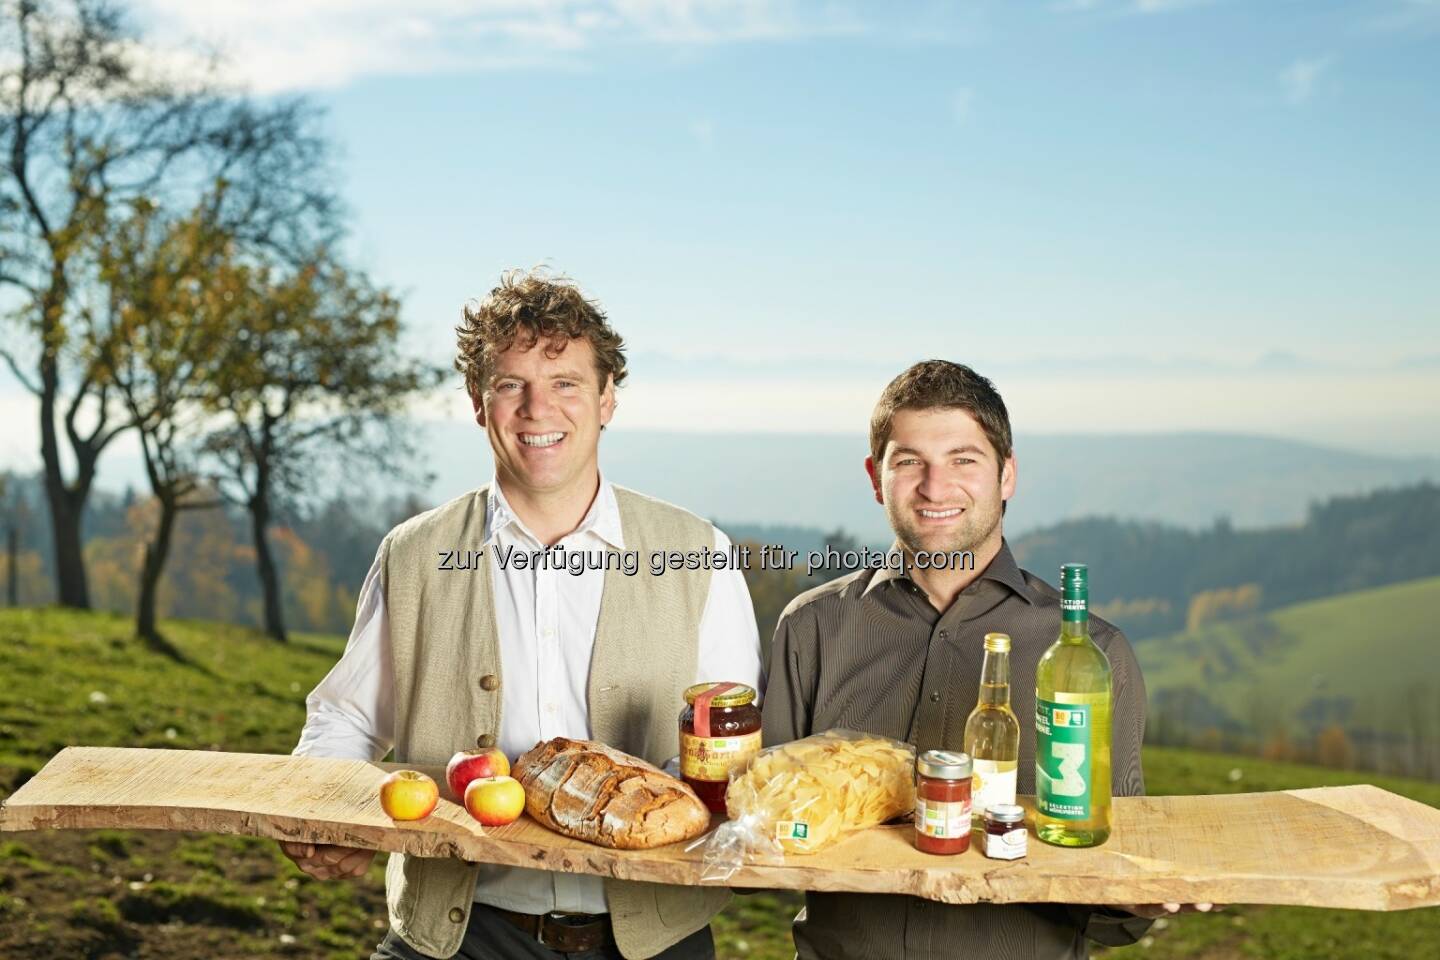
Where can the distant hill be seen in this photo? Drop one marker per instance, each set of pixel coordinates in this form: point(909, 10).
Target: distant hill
point(1153, 578)
point(818, 481)
point(1367, 663)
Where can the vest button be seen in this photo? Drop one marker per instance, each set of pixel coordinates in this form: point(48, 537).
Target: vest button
point(485, 741)
point(456, 914)
point(490, 682)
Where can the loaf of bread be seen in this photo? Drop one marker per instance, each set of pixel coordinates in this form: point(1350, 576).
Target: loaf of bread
point(592, 792)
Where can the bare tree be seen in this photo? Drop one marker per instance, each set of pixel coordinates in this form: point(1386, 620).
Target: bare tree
point(86, 127)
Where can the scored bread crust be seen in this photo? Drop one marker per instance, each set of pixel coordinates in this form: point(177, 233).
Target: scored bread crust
point(595, 793)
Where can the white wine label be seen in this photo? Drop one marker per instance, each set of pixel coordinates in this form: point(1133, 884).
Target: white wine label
point(990, 784)
point(1063, 754)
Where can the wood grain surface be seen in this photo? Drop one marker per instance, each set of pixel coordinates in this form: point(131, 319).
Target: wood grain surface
point(1355, 847)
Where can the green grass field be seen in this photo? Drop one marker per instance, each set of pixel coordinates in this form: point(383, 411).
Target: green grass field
point(68, 678)
point(1363, 660)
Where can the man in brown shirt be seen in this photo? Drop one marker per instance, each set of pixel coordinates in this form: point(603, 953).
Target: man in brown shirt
point(898, 654)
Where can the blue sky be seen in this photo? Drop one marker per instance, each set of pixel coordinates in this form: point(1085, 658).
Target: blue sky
point(1135, 216)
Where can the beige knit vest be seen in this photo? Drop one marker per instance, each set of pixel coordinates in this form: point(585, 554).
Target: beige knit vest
point(444, 640)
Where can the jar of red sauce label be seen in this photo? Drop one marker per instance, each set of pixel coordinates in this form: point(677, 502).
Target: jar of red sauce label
point(719, 731)
point(942, 802)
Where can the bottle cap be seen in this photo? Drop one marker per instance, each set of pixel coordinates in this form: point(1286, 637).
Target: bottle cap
point(997, 642)
point(944, 764)
point(1074, 576)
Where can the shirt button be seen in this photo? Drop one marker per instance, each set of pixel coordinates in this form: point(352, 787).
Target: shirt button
point(551, 708)
point(943, 634)
point(490, 682)
point(485, 741)
point(935, 696)
point(456, 914)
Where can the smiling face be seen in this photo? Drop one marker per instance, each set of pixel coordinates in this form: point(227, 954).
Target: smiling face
point(543, 415)
point(942, 483)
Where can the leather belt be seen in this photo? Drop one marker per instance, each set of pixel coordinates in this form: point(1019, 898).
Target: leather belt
point(562, 932)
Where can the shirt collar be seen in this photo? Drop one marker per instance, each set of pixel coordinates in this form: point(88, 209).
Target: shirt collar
point(602, 519)
point(1002, 569)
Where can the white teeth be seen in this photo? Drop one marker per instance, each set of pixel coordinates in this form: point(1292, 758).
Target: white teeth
point(541, 439)
point(940, 514)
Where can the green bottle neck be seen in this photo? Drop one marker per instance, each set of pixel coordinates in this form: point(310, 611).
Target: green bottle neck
point(1075, 629)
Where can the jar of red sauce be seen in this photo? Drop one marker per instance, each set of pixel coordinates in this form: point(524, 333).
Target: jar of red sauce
point(942, 802)
point(719, 731)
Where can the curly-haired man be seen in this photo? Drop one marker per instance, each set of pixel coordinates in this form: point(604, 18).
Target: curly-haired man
point(588, 652)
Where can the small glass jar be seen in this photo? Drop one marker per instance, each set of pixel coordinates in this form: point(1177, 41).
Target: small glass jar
point(1005, 836)
point(719, 731)
point(942, 802)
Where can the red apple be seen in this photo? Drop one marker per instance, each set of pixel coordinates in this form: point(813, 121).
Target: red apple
point(408, 795)
point(495, 801)
point(470, 765)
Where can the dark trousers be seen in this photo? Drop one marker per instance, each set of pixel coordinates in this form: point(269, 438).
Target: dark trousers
point(491, 937)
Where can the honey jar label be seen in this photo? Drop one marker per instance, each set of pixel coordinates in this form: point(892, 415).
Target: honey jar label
point(942, 819)
point(1009, 845)
point(712, 758)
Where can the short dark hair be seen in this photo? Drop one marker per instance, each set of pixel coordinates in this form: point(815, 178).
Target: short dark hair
point(527, 307)
point(941, 384)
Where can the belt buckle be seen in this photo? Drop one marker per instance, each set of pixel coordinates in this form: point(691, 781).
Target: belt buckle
point(564, 920)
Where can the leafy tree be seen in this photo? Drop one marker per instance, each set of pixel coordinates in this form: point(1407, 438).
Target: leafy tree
point(313, 380)
point(173, 292)
point(87, 127)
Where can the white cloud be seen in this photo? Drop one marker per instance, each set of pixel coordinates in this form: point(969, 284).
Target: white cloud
point(1298, 80)
point(274, 45)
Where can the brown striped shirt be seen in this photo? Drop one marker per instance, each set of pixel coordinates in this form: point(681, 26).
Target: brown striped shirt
point(868, 652)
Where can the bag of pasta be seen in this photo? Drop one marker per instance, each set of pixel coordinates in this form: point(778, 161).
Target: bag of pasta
point(800, 797)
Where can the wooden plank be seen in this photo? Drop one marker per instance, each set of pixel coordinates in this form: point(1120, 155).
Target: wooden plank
point(1356, 847)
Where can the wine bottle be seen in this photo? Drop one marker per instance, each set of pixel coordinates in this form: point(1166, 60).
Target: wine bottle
point(992, 733)
point(1072, 726)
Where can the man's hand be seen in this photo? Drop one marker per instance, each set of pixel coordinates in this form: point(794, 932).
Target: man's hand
point(1154, 911)
point(325, 861)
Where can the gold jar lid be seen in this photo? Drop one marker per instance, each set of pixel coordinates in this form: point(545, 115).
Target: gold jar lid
point(737, 696)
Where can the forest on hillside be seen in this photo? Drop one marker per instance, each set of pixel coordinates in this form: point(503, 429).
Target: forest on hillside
point(1151, 579)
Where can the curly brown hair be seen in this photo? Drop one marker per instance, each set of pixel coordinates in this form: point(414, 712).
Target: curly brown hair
point(530, 306)
point(941, 384)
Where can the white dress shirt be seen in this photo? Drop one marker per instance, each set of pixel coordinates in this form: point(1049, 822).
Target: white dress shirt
point(546, 620)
